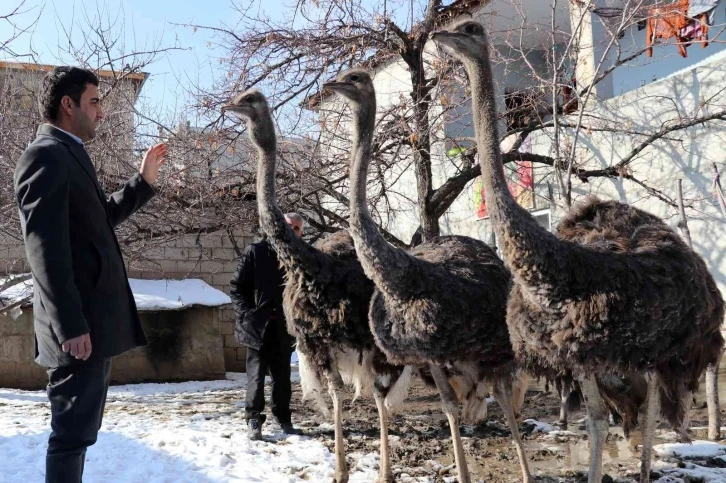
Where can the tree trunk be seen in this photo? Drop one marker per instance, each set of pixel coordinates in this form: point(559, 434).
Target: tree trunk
point(421, 147)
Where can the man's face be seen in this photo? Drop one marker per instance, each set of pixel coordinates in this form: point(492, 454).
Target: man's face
point(85, 117)
point(296, 226)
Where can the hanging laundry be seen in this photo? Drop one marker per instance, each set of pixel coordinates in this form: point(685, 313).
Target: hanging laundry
point(686, 21)
point(701, 13)
point(696, 30)
point(666, 22)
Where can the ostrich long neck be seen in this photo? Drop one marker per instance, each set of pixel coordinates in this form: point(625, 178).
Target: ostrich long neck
point(383, 263)
point(291, 251)
point(536, 257)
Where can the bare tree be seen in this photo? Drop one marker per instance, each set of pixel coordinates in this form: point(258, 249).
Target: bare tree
point(291, 57)
point(11, 20)
point(424, 125)
point(208, 184)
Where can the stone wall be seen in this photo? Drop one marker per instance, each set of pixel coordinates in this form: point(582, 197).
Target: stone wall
point(183, 345)
point(210, 257)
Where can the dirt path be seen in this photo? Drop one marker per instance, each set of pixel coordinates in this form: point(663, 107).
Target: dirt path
point(421, 447)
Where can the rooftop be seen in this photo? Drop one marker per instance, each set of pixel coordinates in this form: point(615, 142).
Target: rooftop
point(137, 78)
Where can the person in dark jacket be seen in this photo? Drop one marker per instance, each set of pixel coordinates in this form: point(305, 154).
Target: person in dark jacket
point(83, 307)
point(256, 290)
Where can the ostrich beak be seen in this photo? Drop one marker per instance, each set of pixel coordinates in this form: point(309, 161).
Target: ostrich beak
point(446, 38)
point(337, 86)
point(232, 108)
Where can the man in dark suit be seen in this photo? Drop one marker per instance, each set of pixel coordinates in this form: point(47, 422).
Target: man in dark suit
point(83, 306)
point(256, 290)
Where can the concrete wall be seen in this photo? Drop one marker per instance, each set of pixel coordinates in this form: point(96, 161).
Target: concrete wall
point(183, 345)
point(210, 257)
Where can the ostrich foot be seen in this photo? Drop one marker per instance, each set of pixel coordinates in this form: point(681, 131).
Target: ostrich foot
point(385, 478)
point(340, 477)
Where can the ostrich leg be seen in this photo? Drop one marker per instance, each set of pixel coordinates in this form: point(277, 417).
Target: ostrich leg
point(520, 391)
point(385, 475)
point(597, 426)
point(564, 387)
point(714, 412)
point(651, 422)
point(335, 386)
point(686, 425)
point(503, 394)
point(450, 405)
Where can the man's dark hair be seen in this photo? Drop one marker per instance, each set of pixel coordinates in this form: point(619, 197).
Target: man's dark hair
point(63, 81)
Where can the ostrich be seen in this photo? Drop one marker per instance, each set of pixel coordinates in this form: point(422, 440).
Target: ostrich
point(440, 306)
point(617, 291)
point(326, 300)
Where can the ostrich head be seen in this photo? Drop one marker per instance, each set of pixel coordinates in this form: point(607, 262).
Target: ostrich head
point(355, 85)
point(252, 106)
point(466, 40)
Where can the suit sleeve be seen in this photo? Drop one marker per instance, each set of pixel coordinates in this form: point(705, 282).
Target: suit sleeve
point(132, 196)
point(242, 287)
point(42, 188)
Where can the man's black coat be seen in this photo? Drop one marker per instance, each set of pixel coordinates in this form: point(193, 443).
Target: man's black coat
point(256, 291)
point(79, 277)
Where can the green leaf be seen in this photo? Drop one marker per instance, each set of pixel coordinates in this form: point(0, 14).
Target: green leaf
point(453, 152)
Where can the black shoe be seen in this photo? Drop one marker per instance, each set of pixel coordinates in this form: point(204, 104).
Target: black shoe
point(254, 430)
point(288, 428)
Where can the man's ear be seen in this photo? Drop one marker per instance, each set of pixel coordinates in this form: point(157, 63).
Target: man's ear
point(66, 103)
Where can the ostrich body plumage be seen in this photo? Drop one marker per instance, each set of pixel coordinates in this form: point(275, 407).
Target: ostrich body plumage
point(660, 311)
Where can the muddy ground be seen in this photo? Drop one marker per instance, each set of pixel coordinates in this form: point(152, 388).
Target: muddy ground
point(421, 448)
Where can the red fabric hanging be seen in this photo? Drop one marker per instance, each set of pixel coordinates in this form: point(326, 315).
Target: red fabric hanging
point(665, 23)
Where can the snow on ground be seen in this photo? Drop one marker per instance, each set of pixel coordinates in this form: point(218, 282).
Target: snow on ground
point(156, 433)
point(194, 432)
point(539, 427)
point(692, 473)
point(702, 449)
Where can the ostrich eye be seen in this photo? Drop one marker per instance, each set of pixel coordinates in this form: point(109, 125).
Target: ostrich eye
point(470, 28)
point(354, 77)
point(250, 99)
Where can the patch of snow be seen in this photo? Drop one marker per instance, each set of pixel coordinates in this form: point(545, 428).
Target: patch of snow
point(561, 434)
point(366, 468)
point(539, 427)
point(190, 432)
point(692, 473)
point(17, 291)
point(150, 294)
point(704, 449)
point(175, 294)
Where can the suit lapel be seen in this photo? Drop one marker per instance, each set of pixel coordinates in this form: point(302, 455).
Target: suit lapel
point(79, 154)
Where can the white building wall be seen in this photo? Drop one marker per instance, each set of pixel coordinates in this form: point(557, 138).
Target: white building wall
point(688, 154)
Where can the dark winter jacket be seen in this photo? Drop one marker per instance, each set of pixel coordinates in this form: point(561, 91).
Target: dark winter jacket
point(79, 278)
point(256, 291)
